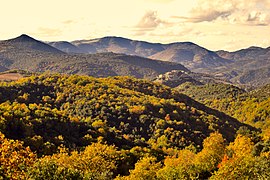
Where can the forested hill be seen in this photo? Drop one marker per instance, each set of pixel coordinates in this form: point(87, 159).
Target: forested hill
point(123, 111)
point(249, 107)
point(81, 127)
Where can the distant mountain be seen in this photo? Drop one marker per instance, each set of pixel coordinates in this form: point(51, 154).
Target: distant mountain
point(2, 68)
point(247, 67)
point(248, 53)
point(25, 42)
point(119, 45)
point(29, 54)
point(66, 47)
point(250, 66)
point(192, 56)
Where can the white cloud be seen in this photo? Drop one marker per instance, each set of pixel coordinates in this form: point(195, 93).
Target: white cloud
point(252, 12)
point(150, 21)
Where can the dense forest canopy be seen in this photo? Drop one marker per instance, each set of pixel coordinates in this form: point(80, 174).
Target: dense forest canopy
point(251, 107)
point(57, 126)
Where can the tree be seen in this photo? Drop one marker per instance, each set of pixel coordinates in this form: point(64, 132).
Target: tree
point(180, 166)
point(14, 158)
point(241, 164)
point(212, 153)
point(145, 169)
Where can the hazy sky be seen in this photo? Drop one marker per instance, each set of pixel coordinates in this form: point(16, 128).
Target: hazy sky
point(214, 24)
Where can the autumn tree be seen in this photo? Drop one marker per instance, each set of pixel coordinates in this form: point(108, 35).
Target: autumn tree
point(15, 159)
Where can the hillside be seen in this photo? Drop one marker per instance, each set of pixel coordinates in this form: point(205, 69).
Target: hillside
point(81, 127)
point(29, 54)
point(249, 107)
point(176, 78)
point(250, 67)
point(123, 111)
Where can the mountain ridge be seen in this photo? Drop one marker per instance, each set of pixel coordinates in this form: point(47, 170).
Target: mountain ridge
point(187, 53)
point(29, 54)
point(245, 67)
point(25, 41)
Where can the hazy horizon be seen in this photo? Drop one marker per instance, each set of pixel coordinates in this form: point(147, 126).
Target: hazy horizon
point(215, 25)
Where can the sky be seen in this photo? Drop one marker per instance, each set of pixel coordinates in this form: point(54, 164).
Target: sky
point(214, 24)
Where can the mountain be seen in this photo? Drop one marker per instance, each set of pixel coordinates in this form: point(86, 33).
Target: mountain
point(66, 47)
point(2, 69)
point(29, 54)
point(192, 56)
point(118, 45)
point(248, 53)
point(189, 54)
point(246, 67)
point(25, 42)
point(250, 66)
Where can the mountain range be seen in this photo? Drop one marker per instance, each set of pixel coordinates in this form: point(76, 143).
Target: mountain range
point(26, 53)
point(189, 54)
point(110, 56)
point(248, 66)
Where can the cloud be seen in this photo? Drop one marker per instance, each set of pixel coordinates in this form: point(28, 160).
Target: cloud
point(208, 16)
point(258, 18)
point(252, 12)
point(211, 10)
point(149, 21)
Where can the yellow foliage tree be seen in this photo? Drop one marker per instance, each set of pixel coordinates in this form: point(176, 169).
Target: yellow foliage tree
point(212, 152)
point(14, 158)
point(239, 163)
point(145, 169)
